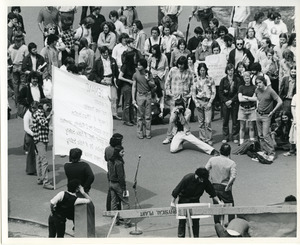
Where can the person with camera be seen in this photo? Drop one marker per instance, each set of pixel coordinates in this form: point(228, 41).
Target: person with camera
point(178, 84)
point(180, 116)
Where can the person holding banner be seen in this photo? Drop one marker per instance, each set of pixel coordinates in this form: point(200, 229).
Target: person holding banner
point(106, 72)
point(40, 129)
point(189, 190)
point(204, 92)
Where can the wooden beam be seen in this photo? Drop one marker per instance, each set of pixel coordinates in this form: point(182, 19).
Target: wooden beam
point(240, 210)
point(214, 209)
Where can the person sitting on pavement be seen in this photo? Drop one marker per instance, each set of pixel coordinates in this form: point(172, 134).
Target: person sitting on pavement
point(179, 118)
point(62, 208)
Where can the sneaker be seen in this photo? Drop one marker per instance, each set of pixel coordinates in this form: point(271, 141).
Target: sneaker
point(39, 182)
point(224, 141)
point(117, 117)
point(48, 186)
point(288, 154)
point(255, 159)
point(148, 136)
point(235, 141)
point(128, 225)
point(141, 137)
point(167, 141)
point(128, 124)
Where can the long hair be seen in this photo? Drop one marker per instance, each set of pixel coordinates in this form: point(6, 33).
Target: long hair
point(157, 54)
point(202, 65)
point(116, 154)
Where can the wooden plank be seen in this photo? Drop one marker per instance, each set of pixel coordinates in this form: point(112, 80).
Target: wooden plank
point(241, 210)
point(215, 209)
point(112, 224)
point(190, 223)
point(143, 213)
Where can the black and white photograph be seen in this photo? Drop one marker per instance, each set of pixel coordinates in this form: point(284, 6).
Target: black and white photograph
point(149, 123)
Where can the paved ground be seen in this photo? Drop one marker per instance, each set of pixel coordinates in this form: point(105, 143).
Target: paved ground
point(159, 172)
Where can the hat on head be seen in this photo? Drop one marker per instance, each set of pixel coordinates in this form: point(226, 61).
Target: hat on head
point(237, 227)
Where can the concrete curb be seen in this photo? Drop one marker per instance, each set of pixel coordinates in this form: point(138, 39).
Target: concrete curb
point(32, 222)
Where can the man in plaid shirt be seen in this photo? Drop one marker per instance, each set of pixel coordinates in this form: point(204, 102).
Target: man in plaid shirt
point(178, 84)
point(40, 131)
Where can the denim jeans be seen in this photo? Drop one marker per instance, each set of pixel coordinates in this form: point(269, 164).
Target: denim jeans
point(263, 123)
point(233, 112)
point(116, 195)
point(226, 197)
point(42, 162)
point(180, 137)
point(143, 114)
point(128, 111)
point(204, 119)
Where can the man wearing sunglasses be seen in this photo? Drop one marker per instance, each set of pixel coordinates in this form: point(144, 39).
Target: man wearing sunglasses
point(240, 54)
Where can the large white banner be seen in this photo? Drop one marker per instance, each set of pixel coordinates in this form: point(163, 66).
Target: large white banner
point(82, 117)
point(216, 64)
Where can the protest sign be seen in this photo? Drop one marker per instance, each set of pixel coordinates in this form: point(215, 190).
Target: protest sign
point(82, 117)
point(216, 64)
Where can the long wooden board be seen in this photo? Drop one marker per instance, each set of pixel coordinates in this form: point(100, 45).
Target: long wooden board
point(212, 210)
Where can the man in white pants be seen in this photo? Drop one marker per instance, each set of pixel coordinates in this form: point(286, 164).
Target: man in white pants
point(180, 117)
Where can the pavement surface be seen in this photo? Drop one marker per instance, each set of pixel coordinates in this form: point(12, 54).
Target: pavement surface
point(160, 171)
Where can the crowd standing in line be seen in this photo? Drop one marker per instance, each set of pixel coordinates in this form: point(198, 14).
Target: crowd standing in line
point(163, 69)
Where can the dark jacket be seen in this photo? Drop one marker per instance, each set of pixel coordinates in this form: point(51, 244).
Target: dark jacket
point(96, 27)
point(27, 63)
point(97, 73)
point(116, 172)
point(284, 87)
point(224, 90)
point(81, 171)
point(231, 58)
point(25, 96)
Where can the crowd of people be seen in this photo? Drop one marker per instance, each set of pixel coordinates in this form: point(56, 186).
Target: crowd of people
point(151, 76)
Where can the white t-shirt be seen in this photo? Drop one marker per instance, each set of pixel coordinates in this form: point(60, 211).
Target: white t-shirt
point(275, 30)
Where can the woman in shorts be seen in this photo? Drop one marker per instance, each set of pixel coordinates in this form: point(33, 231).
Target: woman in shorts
point(247, 108)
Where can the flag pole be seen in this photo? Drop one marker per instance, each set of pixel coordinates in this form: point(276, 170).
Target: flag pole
point(53, 132)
